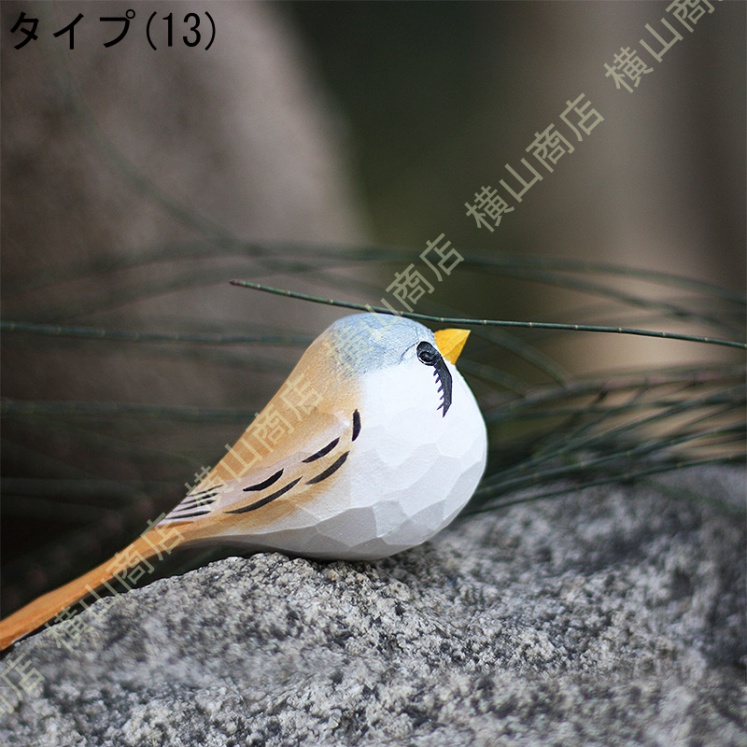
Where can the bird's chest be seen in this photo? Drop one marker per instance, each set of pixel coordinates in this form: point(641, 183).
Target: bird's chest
point(406, 442)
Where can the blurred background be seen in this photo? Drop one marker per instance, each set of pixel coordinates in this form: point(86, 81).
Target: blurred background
point(318, 146)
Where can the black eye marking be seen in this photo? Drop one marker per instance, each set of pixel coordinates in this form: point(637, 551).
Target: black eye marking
point(330, 470)
point(428, 355)
point(265, 501)
point(266, 483)
point(356, 425)
point(322, 452)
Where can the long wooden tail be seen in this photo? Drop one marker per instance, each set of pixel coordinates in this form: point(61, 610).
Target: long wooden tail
point(158, 541)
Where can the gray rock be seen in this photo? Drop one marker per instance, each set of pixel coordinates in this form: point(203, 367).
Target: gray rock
point(611, 616)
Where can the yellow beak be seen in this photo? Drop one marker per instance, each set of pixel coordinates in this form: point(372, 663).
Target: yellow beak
point(450, 342)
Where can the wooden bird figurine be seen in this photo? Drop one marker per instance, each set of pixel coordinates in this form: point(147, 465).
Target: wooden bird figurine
point(372, 445)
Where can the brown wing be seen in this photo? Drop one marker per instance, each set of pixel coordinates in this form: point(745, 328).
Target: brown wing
point(313, 458)
point(299, 441)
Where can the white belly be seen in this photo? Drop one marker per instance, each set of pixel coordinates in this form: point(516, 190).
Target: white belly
point(409, 474)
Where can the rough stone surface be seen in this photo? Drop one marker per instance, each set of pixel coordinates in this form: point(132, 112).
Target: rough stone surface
point(611, 616)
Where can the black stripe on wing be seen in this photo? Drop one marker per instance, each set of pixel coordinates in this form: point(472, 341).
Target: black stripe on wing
point(265, 501)
point(271, 480)
point(323, 451)
point(330, 470)
point(195, 504)
point(191, 515)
